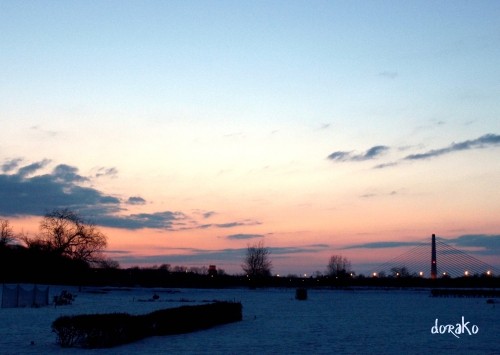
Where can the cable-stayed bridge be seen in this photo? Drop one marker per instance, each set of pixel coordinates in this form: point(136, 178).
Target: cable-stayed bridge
point(434, 259)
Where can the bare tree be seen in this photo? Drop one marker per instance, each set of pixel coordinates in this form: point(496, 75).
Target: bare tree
point(106, 263)
point(64, 232)
point(164, 267)
point(180, 268)
point(6, 233)
point(257, 262)
point(338, 266)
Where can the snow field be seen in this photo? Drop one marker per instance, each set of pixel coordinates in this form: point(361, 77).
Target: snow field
point(329, 322)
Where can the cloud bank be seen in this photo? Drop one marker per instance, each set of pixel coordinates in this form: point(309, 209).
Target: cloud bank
point(33, 190)
point(29, 191)
point(26, 193)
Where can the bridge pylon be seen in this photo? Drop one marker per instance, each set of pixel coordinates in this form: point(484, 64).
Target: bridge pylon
point(433, 258)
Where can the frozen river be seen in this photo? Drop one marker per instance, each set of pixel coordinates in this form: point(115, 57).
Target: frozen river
point(329, 322)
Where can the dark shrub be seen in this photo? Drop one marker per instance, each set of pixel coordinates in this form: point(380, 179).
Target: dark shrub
point(64, 298)
point(190, 318)
point(301, 294)
point(98, 330)
point(106, 330)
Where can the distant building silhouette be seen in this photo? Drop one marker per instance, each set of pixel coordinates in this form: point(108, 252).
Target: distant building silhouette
point(212, 270)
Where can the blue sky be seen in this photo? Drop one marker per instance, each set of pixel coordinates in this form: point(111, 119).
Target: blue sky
point(324, 123)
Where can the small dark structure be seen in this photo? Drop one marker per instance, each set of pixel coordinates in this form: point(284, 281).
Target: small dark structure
point(18, 296)
point(301, 294)
point(107, 330)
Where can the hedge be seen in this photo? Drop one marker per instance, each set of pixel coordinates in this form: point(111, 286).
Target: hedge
point(107, 330)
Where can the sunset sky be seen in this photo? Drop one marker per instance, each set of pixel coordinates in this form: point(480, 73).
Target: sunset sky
point(188, 130)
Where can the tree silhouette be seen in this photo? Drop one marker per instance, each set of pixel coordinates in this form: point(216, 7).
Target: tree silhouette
point(257, 262)
point(338, 266)
point(65, 233)
point(6, 233)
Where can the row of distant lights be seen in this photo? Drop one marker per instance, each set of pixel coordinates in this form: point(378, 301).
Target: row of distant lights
point(421, 273)
point(305, 275)
point(467, 273)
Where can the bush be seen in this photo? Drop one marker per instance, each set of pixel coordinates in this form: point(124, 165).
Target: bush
point(190, 318)
point(64, 298)
point(107, 330)
point(97, 330)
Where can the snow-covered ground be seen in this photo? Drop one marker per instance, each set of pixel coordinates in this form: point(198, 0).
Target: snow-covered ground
point(329, 322)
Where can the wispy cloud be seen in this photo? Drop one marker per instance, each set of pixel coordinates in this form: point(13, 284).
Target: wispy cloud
point(311, 248)
point(488, 243)
point(192, 255)
point(389, 74)
point(373, 194)
point(108, 172)
point(385, 165)
point(229, 224)
point(372, 153)
point(43, 131)
point(136, 200)
point(488, 140)
point(11, 165)
point(382, 245)
point(159, 220)
point(244, 236)
point(184, 257)
point(32, 168)
point(208, 214)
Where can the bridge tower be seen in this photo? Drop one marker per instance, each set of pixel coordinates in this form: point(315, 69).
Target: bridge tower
point(433, 261)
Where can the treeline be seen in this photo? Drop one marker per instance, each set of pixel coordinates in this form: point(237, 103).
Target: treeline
point(157, 277)
point(69, 250)
point(20, 264)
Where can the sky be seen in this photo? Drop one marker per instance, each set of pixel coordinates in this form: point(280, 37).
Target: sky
point(189, 130)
